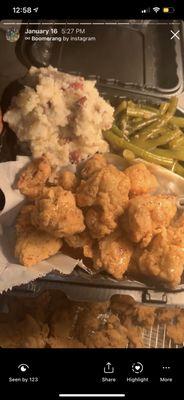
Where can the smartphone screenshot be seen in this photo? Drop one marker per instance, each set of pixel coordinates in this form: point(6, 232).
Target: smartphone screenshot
point(91, 201)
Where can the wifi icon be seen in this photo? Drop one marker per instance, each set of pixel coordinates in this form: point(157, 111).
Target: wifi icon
point(156, 9)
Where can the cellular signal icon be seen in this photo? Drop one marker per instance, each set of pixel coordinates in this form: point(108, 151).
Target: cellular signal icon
point(145, 11)
point(156, 9)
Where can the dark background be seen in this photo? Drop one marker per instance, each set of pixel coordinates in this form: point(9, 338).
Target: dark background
point(80, 371)
point(83, 9)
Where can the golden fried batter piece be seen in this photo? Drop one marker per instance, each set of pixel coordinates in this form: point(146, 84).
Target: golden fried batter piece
point(92, 165)
point(175, 331)
point(23, 221)
point(61, 324)
point(37, 306)
point(35, 246)
point(141, 180)
point(63, 318)
point(91, 310)
point(146, 215)
point(134, 317)
point(68, 180)
point(87, 191)
point(158, 263)
point(133, 268)
point(162, 260)
point(27, 333)
point(113, 335)
point(167, 315)
point(32, 245)
point(144, 315)
point(134, 333)
point(99, 224)
point(8, 335)
point(34, 177)
point(109, 185)
point(97, 327)
point(176, 231)
point(107, 191)
point(64, 343)
point(81, 240)
point(56, 212)
point(33, 334)
point(123, 307)
point(113, 254)
point(126, 306)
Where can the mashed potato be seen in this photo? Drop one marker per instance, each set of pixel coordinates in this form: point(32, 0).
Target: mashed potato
point(60, 115)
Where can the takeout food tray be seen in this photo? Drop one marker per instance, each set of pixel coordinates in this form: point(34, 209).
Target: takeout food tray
point(80, 284)
point(86, 288)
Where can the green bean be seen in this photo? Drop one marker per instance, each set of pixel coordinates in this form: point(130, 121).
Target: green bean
point(128, 155)
point(178, 169)
point(121, 107)
point(136, 120)
point(172, 107)
point(139, 112)
point(176, 154)
point(133, 123)
point(179, 121)
point(149, 144)
point(150, 108)
point(154, 129)
point(132, 104)
point(141, 129)
point(142, 125)
point(144, 114)
point(118, 131)
point(163, 108)
point(121, 119)
point(178, 140)
point(123, 124)
point(121, 144)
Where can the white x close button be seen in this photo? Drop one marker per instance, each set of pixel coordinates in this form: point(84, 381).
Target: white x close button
point(175, 35)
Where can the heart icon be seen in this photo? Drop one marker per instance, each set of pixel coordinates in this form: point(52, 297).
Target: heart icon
point(137, 367)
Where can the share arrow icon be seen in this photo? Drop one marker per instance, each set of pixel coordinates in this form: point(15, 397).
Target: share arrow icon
point(108, 369)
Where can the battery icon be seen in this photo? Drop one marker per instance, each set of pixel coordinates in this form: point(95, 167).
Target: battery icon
point(168, 10)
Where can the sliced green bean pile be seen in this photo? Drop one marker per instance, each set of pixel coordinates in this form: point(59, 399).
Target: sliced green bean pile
point(155, 134)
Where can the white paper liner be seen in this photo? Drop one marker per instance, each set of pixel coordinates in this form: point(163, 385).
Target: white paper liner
point(11, 273)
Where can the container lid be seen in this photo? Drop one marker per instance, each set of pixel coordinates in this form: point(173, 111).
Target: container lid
point(138, 56)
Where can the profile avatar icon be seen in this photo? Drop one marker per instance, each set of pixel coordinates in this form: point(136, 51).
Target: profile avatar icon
point(12, 34)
